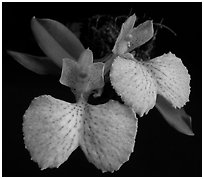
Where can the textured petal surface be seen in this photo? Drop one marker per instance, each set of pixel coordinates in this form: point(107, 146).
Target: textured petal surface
point(108, 135)
point(134, 83)
point(172, 77)
point(51, 130)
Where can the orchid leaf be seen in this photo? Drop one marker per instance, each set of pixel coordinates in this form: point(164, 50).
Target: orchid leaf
point(56, 40)
point(39, 65)
point(177, 118)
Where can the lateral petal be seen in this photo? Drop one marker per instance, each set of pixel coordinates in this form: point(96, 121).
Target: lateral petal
point(121, 44)
point(82, 76)
point(172, 78)
point(108, 135)
point(134, 83)
point(69, 73)
point(141, 34)
point(96, 80)
point(51, 130)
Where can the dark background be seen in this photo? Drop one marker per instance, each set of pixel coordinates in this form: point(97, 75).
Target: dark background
point(159, 149)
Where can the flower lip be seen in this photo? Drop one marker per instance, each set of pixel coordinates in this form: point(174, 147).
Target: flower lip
point(138, 83)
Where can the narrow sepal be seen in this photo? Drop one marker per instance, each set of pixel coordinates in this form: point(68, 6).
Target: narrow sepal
point(141, 34)
point(121, 44)
point(131, 38)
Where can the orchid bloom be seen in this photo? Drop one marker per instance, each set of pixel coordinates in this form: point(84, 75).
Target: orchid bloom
point(53, 128)
point(106, 133)
point(139, 82)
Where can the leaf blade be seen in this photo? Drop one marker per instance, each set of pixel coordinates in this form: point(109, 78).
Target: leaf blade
point(177, 118)
point(56, 40)
point(39, 65)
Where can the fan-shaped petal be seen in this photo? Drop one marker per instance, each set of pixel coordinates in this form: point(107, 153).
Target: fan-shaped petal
point(108, 135)
point(51, 130)
point(172, 78)
point(134, 83)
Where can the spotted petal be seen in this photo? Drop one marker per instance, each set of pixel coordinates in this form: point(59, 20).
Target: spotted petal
point(173, 80)
point(134, 83)
point(108, 135)
point(51, 130)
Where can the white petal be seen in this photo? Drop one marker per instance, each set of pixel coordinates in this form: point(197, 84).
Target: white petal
point(51, 130)
point(172, 77)
point(108, 135)
point(134, 83)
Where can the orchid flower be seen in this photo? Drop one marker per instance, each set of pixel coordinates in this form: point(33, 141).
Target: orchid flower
point(53, 128)
point(139, 82)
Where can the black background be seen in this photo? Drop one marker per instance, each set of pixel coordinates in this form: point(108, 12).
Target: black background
point(159, 149)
